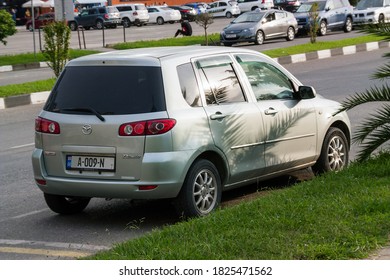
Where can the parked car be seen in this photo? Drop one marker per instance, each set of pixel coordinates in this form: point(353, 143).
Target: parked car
point(224, 8)
point(187, 13)
point(162, 14)
point(258, 26)
point(332, 15)
point(195, 121)
point(198, 7)
point(96, 17)
point(372, 11)
point(40, 21)
point(251, 5)
point(133, 14)
point(287, 5)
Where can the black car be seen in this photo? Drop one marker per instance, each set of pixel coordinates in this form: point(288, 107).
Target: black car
point(96, 17)
point(287, 5)
point(187, 13)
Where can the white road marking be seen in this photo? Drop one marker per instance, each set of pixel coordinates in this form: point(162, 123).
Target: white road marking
point(22, 146)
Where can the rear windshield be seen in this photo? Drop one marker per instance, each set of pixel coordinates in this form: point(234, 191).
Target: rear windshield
point(109, 90)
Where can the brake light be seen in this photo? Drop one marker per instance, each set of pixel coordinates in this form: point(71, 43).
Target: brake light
point(106, 16)
point(147, 188)
point(41, 182)
point(135, 14)
point(153, 127)
point(46, 126)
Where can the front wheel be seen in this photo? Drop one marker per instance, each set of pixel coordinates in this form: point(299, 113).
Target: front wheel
point(229, 15)
point(259, 40)
point(334, 152)
point(73, 26)
point(201, 191)
point(160, 21)
point(323, 28)
point(66, 205)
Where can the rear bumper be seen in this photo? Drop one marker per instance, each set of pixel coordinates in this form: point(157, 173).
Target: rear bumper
point(165, 170)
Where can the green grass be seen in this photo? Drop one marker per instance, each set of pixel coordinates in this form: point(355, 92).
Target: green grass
point(337, 216)
point(31, 58)
point(25, 88)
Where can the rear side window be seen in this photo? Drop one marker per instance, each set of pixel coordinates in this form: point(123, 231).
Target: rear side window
point(188, 85)
point(109, 90)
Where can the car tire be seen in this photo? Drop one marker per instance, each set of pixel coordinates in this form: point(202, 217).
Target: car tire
point(229, 15)
point(334, 152)
point(201, 191)
point(99, 24)
point(323, 28)
point(348, 25)
point(381, 19)
point(259, 39)
point(73, 26)
point(160, 21)
point(126, 22)
point(290, 34)
point(66, 205)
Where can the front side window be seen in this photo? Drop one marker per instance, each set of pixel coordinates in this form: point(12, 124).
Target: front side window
point(266, 80)
point(219, 80)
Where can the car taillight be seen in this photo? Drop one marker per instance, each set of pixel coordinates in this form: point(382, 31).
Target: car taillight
point(46, 126)
point(106, 16)
point(152, 127)
point(135, 14)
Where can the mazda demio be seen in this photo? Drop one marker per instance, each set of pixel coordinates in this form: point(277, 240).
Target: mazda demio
point(185, 123)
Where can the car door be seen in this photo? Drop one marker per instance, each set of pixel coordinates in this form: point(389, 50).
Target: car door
point(290, 130)
point(331, 14)
point(269, 25)
point(235, 123)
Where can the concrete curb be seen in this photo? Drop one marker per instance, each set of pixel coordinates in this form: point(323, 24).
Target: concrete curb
point(40, 97)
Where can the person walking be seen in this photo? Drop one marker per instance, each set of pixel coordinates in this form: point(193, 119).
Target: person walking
point(186, 29)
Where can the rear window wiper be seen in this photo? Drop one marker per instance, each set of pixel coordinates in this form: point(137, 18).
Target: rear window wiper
point(84, 109)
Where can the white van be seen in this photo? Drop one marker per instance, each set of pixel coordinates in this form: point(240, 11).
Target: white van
point(133, 14)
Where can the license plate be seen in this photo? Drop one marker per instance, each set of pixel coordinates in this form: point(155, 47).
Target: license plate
point(230, 35)
point(90, 163)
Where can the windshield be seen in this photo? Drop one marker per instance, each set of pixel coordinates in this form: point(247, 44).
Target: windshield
point(307, 7)
point(364, 4)
point(249, 17)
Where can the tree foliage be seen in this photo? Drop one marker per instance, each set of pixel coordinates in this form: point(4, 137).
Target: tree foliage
point(7, 26)
point(204, 20)
point(57, 41)
point(374, 131)
point(314, 22)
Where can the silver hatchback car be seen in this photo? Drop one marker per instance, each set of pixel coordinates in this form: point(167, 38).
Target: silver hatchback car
point(179, 122)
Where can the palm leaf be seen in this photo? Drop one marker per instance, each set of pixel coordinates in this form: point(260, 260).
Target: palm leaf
point(382, 29)
point(375, 94)
point(383, 72)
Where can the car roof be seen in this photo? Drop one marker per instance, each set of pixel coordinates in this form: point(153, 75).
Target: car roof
point(152, 56)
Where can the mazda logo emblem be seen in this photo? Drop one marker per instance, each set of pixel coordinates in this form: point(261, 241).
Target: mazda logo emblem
point(86, 129)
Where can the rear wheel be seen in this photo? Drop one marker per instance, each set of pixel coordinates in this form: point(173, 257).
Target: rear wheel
point(348, 25)
point(259, 40)
point(126, 22)
point(290, 34)
point(229, 15)
point(201, 191)
point(334, 152)
point(73, 26)
point(99, 24)
point(66, 205)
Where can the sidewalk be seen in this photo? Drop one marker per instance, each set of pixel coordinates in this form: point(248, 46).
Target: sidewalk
point(40, 97)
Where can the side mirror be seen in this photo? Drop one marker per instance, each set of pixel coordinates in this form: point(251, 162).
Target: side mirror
point(306, 92)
